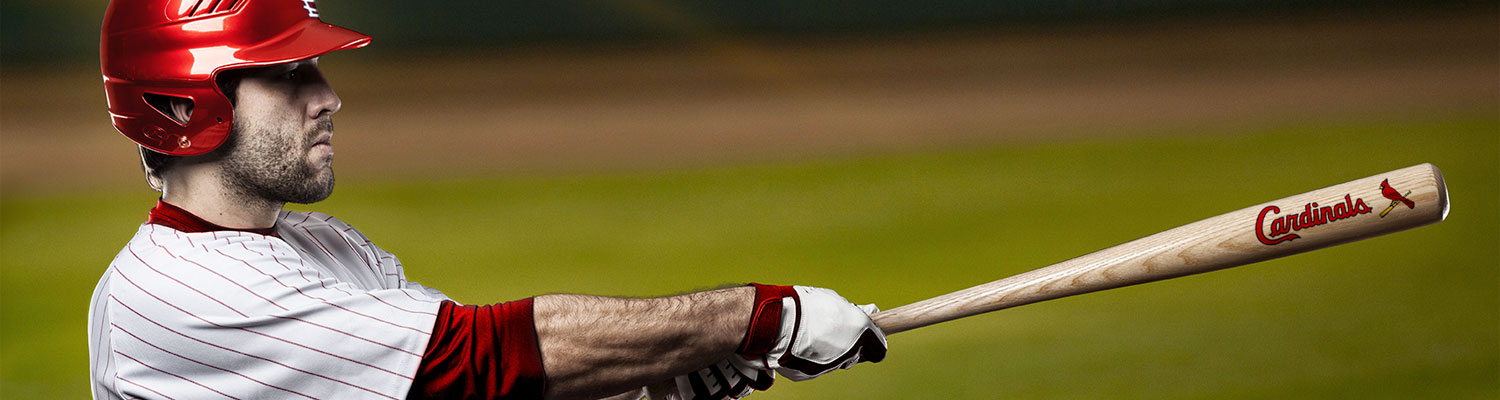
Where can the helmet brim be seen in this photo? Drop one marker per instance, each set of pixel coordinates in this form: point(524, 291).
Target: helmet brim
point(307, 39)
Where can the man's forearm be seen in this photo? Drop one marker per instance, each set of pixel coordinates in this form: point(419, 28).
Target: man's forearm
point(599, 346)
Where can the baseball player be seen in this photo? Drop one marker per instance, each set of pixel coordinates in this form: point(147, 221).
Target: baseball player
point(221, 294)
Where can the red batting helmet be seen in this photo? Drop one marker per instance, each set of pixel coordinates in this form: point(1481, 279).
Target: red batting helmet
point(176, 48)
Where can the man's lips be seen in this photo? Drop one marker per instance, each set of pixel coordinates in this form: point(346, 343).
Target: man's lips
point(324, 142)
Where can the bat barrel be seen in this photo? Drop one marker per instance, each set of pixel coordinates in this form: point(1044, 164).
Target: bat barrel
point(1321, 218)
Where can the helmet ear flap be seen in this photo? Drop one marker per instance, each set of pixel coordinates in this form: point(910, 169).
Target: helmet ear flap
point(157, 126)
point(212, 117)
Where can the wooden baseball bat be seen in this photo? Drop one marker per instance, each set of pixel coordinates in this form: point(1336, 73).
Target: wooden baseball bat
point(1321, 218)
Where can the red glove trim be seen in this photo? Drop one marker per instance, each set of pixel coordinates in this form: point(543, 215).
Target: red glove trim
point(765, 319)
point(481, 352)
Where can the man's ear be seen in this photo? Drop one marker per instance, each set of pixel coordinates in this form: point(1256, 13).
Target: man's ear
point(180, 109)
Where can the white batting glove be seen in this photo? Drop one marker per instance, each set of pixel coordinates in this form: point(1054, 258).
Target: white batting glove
point(817, 332)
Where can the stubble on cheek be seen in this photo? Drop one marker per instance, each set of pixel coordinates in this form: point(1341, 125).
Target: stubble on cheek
point(276, 165)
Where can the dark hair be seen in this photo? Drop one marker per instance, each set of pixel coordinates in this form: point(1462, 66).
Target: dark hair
point(154, 163)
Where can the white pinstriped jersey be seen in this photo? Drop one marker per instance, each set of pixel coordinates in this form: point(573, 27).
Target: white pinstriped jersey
point(316, 311)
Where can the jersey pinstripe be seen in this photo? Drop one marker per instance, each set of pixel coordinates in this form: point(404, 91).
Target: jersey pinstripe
point(317, 311)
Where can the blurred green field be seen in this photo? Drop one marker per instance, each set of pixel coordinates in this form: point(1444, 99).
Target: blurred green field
point(1411, 315)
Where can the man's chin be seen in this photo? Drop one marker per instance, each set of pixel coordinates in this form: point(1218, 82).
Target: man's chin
point(318, 190)
point(325, 193)
point(313, 198)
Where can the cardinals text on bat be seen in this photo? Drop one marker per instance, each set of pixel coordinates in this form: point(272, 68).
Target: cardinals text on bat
point(1312, 215)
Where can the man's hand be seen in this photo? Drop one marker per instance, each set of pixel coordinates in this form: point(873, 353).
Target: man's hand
point(817, 331)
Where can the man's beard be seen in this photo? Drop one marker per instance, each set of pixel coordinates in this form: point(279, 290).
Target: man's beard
point(273, 166)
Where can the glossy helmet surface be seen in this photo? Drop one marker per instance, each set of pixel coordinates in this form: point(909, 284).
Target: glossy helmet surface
point(176, 48)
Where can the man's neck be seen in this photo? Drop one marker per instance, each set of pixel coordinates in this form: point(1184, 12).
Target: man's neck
point(236, 215)
point(222, 206)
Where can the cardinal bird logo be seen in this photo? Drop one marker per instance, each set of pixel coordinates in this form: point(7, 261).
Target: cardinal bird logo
point(1395, 196)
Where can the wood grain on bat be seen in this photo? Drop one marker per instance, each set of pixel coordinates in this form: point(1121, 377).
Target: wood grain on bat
point(1415, 196)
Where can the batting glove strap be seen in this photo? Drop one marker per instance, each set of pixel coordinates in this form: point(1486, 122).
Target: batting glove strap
point(765, 320)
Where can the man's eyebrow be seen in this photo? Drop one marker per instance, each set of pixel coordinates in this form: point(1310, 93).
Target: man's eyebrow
point(306, 61)
point(274, 69)
point(288, 66)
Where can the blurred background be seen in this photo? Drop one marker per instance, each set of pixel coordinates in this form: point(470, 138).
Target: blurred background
point(890, 150)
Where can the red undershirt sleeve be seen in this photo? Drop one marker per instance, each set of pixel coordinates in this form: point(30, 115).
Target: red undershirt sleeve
point(481, 352)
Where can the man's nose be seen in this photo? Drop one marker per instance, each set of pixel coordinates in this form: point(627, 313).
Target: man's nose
point(324, 100)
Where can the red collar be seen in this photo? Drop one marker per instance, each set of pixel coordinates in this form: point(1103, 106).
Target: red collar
point(168, 215)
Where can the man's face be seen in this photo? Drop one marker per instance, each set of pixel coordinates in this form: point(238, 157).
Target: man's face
point(281, 148)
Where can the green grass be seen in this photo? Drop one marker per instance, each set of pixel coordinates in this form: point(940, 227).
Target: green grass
point(1410, 315)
